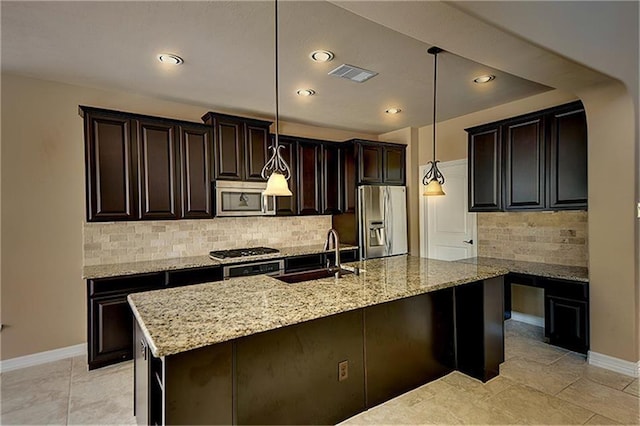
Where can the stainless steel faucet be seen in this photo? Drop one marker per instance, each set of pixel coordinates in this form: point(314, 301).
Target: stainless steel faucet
point(334, 240)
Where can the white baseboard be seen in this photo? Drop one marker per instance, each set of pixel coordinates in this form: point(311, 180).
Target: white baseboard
point(43, 357)
point(527, 319)
point(628, 368)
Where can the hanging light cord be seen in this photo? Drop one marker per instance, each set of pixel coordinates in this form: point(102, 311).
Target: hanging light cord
point(433, 173)
point(276, 163)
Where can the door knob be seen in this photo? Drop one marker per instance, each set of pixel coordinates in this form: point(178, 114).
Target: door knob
point(468, 242)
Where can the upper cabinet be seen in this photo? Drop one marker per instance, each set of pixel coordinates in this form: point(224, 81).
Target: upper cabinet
point(536, 161)
point(140, 167)
point(379, 163)
point(240, 146)
point(309, 177)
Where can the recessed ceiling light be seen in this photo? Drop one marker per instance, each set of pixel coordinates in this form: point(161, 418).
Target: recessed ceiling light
point(393, 111)
point(484, 78)
point(321, 55)
point(170, 58)
point(306, 92)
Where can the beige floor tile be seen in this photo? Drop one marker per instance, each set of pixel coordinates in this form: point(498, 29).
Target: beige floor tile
point(531, 406)
point(79, 370)
point(102, 398)
point(41, 413)
point(550, 379)
point(633, 388)
point(474, 389)
point(519, 347)
point(516, 328)
point(34, 391)
point(60, 368)
point(603, 400)
point(578, 363)
point(601, 420)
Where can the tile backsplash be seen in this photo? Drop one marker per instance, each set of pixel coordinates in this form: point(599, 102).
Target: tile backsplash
point(550, 237)
point(120, 242)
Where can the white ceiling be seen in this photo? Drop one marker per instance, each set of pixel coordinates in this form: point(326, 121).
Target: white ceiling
point(228, 48)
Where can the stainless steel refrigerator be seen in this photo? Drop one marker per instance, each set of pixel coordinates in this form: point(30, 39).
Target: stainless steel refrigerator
point(382, 221)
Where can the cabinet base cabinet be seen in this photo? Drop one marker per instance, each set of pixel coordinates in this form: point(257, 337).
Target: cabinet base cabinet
point(567, 323)
point(325, 370)
point(480, 328)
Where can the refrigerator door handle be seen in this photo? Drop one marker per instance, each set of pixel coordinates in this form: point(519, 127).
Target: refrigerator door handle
point(388, 214)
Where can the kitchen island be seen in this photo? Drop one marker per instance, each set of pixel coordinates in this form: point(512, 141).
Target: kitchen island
point(258, 350)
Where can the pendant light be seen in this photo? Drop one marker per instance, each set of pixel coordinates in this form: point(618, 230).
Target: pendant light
point(433, 179)
point(276, 170)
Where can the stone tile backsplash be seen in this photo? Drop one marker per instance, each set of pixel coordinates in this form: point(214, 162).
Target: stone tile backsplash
point(121, 242)
point(549, 237)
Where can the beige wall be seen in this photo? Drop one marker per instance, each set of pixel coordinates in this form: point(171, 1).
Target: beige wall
point(409, 136)
point(612, 261)
point(43, 205)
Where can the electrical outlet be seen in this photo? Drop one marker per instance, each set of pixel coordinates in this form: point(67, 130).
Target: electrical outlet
point(343, 370)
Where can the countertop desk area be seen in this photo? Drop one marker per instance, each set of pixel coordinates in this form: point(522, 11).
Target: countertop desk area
point(258, 350)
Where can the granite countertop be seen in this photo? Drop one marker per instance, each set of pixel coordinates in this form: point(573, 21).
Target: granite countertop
point(574, 273)
point(132, 268)
point(180, 319)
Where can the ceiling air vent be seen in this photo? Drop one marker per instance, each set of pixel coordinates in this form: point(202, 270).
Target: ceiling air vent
point(359, 75)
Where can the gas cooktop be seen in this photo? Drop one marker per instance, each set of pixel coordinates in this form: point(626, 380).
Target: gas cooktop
point(242, 252)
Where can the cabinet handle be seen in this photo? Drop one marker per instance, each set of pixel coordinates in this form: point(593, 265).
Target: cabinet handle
point(468, 242)
point(143, 350)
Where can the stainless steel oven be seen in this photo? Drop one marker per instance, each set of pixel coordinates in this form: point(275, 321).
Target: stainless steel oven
point(269, 267)
point(243, 199)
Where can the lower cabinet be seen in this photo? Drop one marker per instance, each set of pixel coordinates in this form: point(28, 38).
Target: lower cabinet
point(325, 370)
point(110, 320)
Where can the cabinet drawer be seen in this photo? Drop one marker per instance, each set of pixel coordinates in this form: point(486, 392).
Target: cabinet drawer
point(567, 289)
point(299, 263)
point(194, 276)
point(129, 284)
point(523, 279)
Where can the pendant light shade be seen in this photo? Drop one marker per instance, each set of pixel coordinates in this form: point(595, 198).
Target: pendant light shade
point(276, 169)
point(277, 185)
point(434, 179)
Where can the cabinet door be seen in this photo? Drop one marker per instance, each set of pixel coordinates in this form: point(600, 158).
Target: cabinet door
point(229, 147)
point(566, 323)
point(568, 160)
point(110, 168)
point(158, 183)
point(524, 165)
point(393, 169)
point(308, 178)
point(369, 164)
point(484, 170)
point(195, 166)
point(141, 378)
point(111, 331)
point(287, 206)
point(332, 179)
point(349, 182)
point(256, 152)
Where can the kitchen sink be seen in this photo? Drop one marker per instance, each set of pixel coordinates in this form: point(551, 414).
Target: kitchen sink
point(315, 274)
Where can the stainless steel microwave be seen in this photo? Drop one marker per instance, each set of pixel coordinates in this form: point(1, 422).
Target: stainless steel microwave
point(243, 199)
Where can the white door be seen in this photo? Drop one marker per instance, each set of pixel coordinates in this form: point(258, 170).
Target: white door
point(448, 230)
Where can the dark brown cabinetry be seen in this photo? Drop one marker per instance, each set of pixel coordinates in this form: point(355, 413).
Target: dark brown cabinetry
point(140, 167)
point(485, 172)
point(157, 165)
point(567, 314)
point(309, 178)
point(110, 322)
point(524, 164)
point(537, 161)
point(195, 171)
point(379, 163)
point(332, 179)
point(111, 173)
point(240, 146)
point(568, 158)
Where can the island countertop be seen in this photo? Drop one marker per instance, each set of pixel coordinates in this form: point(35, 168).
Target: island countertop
point(180, 319)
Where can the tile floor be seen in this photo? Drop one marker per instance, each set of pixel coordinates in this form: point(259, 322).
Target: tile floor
point(538, 384)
